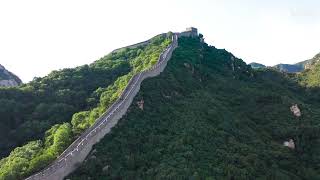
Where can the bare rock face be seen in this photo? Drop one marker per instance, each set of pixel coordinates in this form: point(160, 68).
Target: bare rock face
point(8, 79)
point(106, 168)
point(290, 144)
point(140, 104)
point(295, 110)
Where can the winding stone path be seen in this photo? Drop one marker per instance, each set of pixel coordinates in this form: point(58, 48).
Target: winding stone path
point(76, 153)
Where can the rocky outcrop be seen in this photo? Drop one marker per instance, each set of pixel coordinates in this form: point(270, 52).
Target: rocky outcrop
point(140, 104)
point(290, 144)
point(295, 110)
point(8, 79)
point(297, 113)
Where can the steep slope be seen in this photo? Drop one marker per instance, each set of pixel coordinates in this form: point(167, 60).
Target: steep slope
point(54, 100)
point(8, 79)
point(210, 116)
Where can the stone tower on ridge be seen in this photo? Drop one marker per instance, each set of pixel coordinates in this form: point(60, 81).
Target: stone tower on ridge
point(190, 32)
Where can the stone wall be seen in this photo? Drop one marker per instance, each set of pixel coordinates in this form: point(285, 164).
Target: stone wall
point(76, 153)
point(189, 32)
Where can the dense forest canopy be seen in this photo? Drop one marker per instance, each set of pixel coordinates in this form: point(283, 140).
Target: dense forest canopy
point(210, 116)
point(28, 111)
point(48, 113)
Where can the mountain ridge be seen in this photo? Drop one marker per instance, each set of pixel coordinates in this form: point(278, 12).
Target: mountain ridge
point(8, 79)
point(209, 115)
point(290, 68)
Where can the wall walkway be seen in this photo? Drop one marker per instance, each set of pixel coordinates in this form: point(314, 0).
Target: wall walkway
point(76, 153)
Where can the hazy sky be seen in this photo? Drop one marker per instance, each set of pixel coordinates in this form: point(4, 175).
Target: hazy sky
point(38, 36)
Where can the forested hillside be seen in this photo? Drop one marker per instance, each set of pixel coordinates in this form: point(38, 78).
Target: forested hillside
point(210, 116)
point(47, 114)
point(26, 112)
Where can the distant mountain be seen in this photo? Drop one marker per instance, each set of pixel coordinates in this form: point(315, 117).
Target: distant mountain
point(291, 68)
point(311, 76)
point(255, 65)
point(8, 79)
point(298, 67)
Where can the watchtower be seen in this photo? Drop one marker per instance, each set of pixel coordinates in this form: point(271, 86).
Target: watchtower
point(190, 32)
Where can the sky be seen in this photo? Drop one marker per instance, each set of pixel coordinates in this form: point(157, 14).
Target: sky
point(38, 36)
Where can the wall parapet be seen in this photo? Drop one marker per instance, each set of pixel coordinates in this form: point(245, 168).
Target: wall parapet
point(81, 147)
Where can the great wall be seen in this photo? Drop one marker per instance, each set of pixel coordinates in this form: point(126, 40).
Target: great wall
point(76, 153)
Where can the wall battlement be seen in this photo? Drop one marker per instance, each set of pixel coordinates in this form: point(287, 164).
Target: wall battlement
point(189, 32)
point(81, 147)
